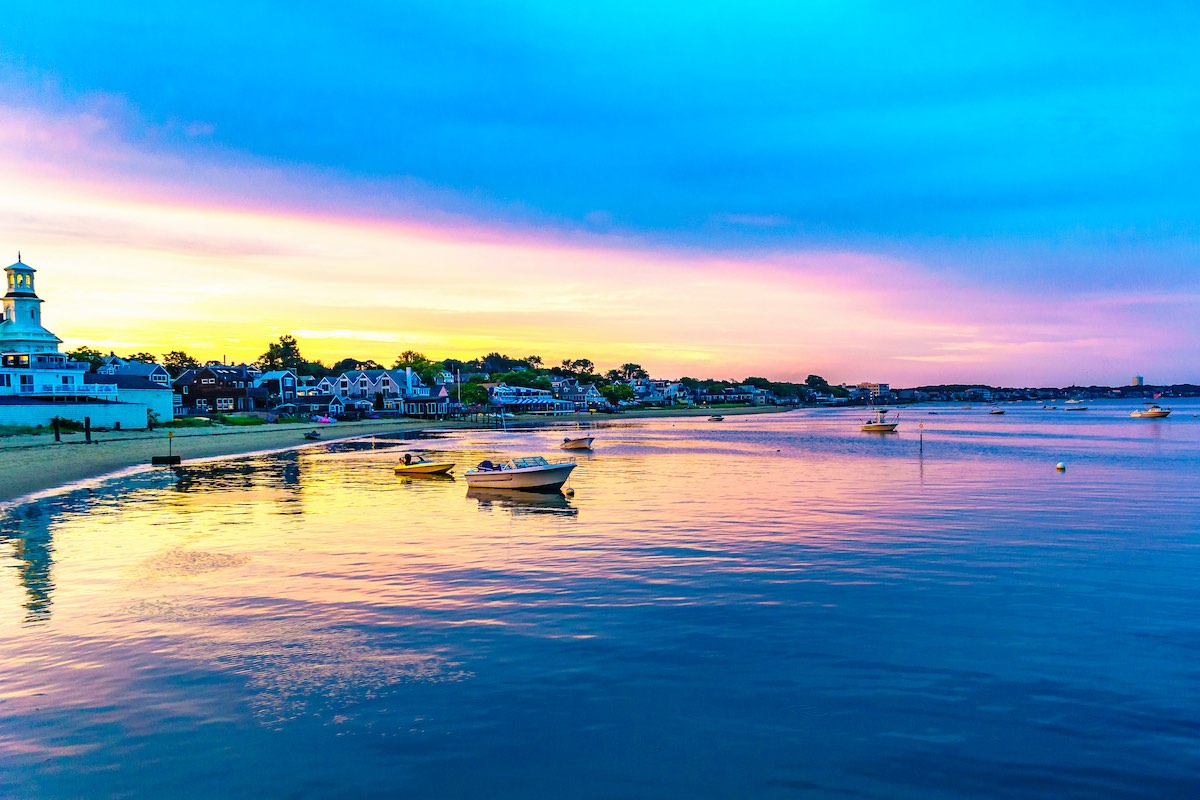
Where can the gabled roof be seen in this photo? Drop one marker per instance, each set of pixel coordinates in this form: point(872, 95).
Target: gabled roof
point(124, 381)
point(136, 368)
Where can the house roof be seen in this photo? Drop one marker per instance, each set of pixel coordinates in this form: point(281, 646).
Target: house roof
point(136, 368)
point(124, 381)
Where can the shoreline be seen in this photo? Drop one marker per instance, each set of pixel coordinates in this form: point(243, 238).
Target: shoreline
point(34, 464)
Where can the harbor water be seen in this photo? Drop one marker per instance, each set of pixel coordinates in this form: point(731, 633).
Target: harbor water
point(772, 606)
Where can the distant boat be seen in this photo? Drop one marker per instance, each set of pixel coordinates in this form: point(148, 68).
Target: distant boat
point(1074, 400)
point(582, 443)
point(716, 418)
point(1049, 408)
point(1153, 412)
point(879, 424)
point(531, 473)
point(1076, 408)
point(996, 411)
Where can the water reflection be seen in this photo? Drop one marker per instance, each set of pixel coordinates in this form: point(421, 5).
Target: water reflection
point(28, 532)
point(518, 503)
point(788, 578)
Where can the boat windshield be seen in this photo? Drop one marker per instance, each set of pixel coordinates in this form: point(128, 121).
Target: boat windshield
point(528, 461)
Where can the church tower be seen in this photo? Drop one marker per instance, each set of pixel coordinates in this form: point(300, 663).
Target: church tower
point(21, 328)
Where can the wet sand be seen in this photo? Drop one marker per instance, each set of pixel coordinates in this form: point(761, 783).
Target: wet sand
point(36, 463)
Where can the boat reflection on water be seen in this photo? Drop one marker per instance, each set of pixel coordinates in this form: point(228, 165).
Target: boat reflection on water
point(517, 502)
point(424, 477)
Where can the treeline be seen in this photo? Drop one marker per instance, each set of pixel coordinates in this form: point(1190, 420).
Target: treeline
point(528, 371)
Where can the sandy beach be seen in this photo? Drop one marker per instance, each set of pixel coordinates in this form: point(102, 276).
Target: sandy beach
point(32, 464)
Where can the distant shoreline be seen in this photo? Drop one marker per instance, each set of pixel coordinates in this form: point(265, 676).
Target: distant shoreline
point(34, 464)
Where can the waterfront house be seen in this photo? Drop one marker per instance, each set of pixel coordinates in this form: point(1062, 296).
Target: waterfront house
point(155, 373)
point(582, 395)
point(37, 382)
point(221, 389)
point(396, 390)
point(280, 386)
point(524, 399)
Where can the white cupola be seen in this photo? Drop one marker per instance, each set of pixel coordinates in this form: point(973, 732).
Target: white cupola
point(21, 324)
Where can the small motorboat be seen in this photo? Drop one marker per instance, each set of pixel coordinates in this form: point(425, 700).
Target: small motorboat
point(1153, 412)
point(581, 443)
point(996, 411)
point(422, 466)
point(716, 418)
point(530, 473)
point(1049, 408)
point(1074, 401)
point(312, 435)
point(1075, 408)
point(880, 423)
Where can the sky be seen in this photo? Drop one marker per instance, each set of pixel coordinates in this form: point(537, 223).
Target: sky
point(926, 192)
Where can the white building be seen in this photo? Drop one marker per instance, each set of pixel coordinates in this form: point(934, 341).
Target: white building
point(38, 383)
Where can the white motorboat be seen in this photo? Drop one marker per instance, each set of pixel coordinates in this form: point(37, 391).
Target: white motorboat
point(716, 418)
point(1074, 401)
point(880, 423)
point(580, 443)
point(1153, 411)
point(1075, 408)
point(531, 474)
point(996, 411)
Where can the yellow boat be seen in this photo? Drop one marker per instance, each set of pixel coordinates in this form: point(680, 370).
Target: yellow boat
point(419, 466)
point(879, 424)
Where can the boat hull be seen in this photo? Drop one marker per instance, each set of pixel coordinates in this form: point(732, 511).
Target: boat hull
point(425, 468)
point(1149, 414)
point(880, 427)
point(578, 444)
point(529, 479)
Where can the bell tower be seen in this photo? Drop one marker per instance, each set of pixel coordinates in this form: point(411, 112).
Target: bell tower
point(21, 325)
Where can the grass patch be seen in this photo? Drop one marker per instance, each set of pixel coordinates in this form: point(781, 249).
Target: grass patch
point(226, 419)
point(22, 430)
point(188, 422)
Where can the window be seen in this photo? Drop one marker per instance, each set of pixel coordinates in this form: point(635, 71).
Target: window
point(224, 404)
point(66, 380)
point(206, 380)
point(27, 380)
point(5, 380)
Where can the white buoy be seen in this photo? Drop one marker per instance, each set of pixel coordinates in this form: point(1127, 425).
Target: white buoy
point(1061, 467)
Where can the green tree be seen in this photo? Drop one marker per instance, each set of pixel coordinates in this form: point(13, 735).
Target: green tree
point(282, 354)
point(815, 382)
point(613, 375)
point(633, 371)
point(352, 364)
point(87, 354)
point(145, 358)
point(534, 362)
point(474, 394)
point(529, 380)
point(616, 392)
point(177, 362)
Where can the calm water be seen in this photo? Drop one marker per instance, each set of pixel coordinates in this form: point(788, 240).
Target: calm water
point(776, 606)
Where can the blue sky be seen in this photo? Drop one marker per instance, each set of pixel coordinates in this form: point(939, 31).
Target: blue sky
point(1038, 147)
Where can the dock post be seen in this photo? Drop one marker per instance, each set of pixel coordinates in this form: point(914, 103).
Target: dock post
point(87, 430)
point(57, 432)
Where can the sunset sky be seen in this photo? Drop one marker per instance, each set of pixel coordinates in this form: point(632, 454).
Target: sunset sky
point(910, 193)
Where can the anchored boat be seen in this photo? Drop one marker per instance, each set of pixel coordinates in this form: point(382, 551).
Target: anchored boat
point(581, 443)
point(880, 423)
point(530, 473)
point(422, 466)
point(1153, 412)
